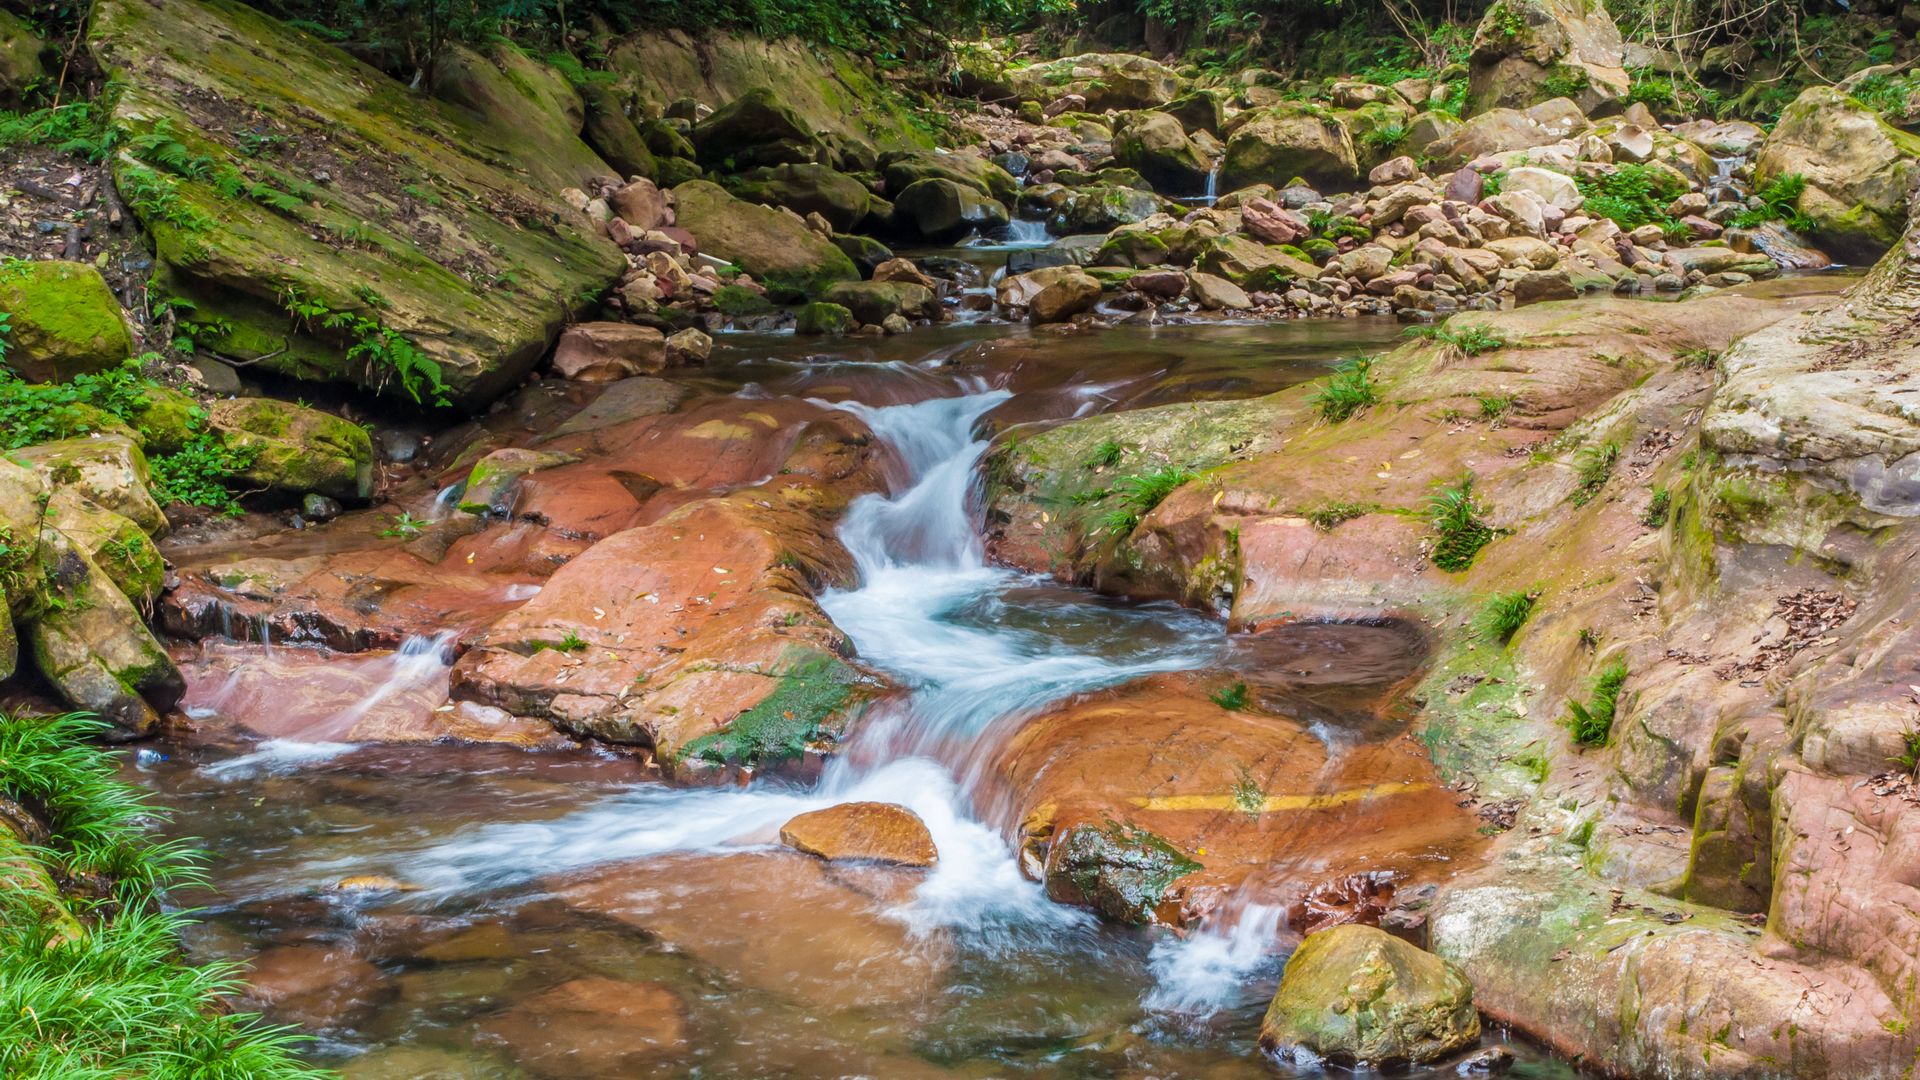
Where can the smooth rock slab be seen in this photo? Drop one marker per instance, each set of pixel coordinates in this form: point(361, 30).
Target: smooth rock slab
point(873, 831)
point(592, 1027)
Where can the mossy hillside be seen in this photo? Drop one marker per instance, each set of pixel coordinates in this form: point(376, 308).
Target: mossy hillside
point(439, 224)
point(62, 320)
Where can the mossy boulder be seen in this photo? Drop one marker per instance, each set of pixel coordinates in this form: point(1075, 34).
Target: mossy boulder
point(873, 301)
point(1357, 993)
point(612, 134)
point(109, 470)
point(62, 320)
point(1105, 207)
point(1253, 265)
point(821, 317)
point(806, 189)
point(1289, 140)
point(296, 450)
point(440, 224)
point(756, 129)
point(122, 549)
point(903, 169)
point(165, 419)
point(1858, 171)
point(665, 140)
point(494, 482)
point(20, 66)
point(1155, 144)
point(866, 252)
point(939, 209)
point(792, 261)
point(511, 92)
point(1105, 80)
point(1120, 871)
point(1528, 51)
point(1198, 111)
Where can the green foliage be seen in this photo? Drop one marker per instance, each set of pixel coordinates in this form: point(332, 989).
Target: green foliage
point(201, 473)
point(110, 997)
point(1384, 137)
point(572, 642)
point(1232, 697)
point(1455, 517)
point(1592, 723)
point(1471, 339)
point(1495, 407)
point(1631, 195)
point(385, 352)
point(1105, 456)
point(1909, 757)
point(1595, 465)
point(1348, 390)
point(1779, 200)
point(42, 412)
point(404, 526)
point(1138, 495)
point(1504, 614)
point(79, 128)
point(1657, 509)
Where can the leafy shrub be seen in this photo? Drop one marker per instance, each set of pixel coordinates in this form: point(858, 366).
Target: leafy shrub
point(1471, 339)
point(1455, 517)
point(1658, 508)
point(201, 473)
point(1592, 723)
point(1779, 200)
point(1138, 495)
point(1348, 390)
point(1631, 195)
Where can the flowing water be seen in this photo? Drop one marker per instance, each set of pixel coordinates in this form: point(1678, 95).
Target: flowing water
point(442, 889)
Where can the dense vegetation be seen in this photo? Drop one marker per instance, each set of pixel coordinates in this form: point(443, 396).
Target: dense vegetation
point(91, 983)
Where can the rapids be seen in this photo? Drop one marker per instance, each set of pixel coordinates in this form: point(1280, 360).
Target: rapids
point(497, 875)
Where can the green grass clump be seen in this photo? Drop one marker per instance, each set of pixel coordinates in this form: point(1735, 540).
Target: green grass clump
point(1495, 407)
point(1595, 465)
point(1909, 757)
point(1326, 517)
point(1348, 390)
point(1471, 340)
point(202, 473)
point(1232, 697)
point(1631, 195)
point(1592, 723)
point(1658, 508)
point(1504, 614)
point(1455, 517)
point(1106, 455)
point(404, 526)
point(105, 994)
point(1779, 200)
point(1138, 495)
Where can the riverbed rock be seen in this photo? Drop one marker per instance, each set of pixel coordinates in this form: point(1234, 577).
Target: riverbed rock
point(315, 986)
point(940, 209)
point(1063, 295)
point(806, 189)
point(874, 301)
point(1104, 80)
point(609, 351)
point(1356, 993)
point(491, 486)
point(64, 321)
point(1858, 168)
point(791, 260)
point(1496, 131)
point(755, 129)
point(108, 470)
point(821, 317)
point(1121, 871)
point(1527, 51)
point(444, 287)
point(591, 1027)
point(1155, 144)
point(295, 450)
point(1276, 144)
point(869, 831)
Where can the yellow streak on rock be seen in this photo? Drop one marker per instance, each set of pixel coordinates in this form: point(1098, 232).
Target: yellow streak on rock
point(720, 429)
point(1274, 803)
point(761, 418)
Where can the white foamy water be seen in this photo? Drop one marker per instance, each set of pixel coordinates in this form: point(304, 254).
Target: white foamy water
point(1207, 971)
point(277, 757)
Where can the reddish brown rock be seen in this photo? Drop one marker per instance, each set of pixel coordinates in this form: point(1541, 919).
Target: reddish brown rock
point(875, 832)
point(642, 206)
point(606, 351)
point(314, 986)
point(1272, 223)
point(592, 1027)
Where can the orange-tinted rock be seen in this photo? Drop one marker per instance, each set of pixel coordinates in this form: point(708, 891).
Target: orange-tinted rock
point(592, 1027)
point(607, 351)
point(313, 986)
point(877, 832)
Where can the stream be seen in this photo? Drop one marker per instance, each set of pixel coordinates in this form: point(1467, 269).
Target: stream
point(474, 911)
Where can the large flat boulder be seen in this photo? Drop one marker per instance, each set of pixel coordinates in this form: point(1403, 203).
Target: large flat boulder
point(777, 248)
point(1858, 171)
point(374, 236)
point(1357, 993)
point(1527, 51)
point(1276, 144)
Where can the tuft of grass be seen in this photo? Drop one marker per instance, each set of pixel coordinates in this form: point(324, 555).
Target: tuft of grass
point(1105, 456)
point(1657, 509)
point(1471, 340)
point(404, 525)
point(1138, 495)
point(1504, 614)
point(1592, 723)
point(1779, 200)
point(1909, 757)
point(1232, 697)
point(1328, 516)
point(1495, 407)
point(93, 987)
point(1455, 517)
point(1595, 465)
point(1348, 390)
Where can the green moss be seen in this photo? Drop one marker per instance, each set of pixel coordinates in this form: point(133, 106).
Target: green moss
point(1118, 869)
point(780, 727)
point(62, 320)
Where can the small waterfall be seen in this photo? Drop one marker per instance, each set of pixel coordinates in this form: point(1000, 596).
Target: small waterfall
point(1024, 233)
point(1207, 971)
point(1721, 187)
point(1212, 194)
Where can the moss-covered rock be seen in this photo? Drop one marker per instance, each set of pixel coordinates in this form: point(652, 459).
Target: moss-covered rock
point(62, 320)
point(1155, 144)
point(791, 260)
point(756, 129)
point(441, 228)
point(821, 317)
point(1106, 80)
point(165, 419)
point(873, 301)
point(939, 209)
point(611, 132)
point(903, 169)
point(1528, 51)
point(1858, 171)
point(1357, 993)
point(806, 189)
point(294, 450)
point(109, 470)
point(20, 66)
point(512, 93)
point(1105, 207)
point(1121, 871)
point(1290, 140)
point(494, 481)
point(1253, 265)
